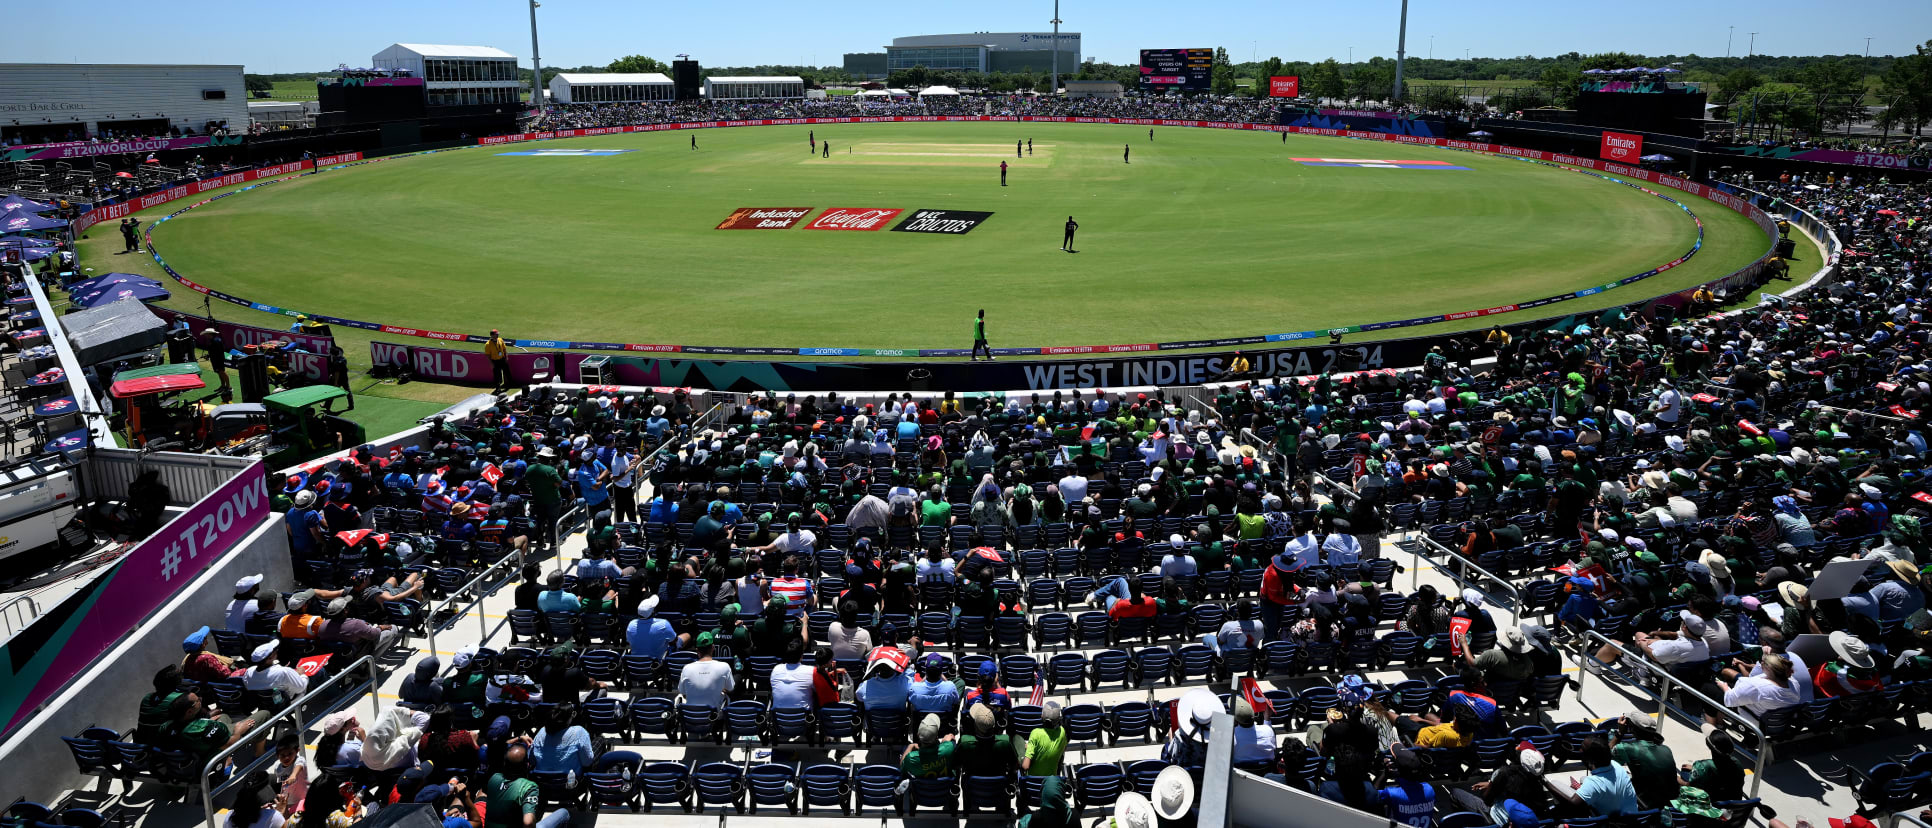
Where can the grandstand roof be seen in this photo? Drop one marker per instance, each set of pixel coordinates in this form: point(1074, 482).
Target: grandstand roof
point(614, 77)
point(758, 79)
point(444, 51)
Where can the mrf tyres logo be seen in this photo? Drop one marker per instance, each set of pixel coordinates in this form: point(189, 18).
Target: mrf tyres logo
point(764, 218)
point(951, 222)
point(853, 218)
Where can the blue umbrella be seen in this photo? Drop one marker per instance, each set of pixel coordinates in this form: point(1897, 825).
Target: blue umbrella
point(104, 280)
point(34, 254)
point(11, 203)
point(20, 221)
point(115, 293)
point(24, 241)
point(1658, 157)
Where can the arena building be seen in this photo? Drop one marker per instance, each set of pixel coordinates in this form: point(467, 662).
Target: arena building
point(970, 52)
point(52, 102)
point(456, 75)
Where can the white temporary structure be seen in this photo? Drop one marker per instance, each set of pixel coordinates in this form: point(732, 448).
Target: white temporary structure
point(938, 91)
point(754, 87)
point(611, 87)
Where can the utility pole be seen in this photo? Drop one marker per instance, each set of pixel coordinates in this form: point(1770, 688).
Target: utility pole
point(1056, 49)
point(1868, 47)
point(1752, 49)
point(1730, 32)
point(536, 62)
point(1432, 47)
point(1351, 56)
point(1401, 41)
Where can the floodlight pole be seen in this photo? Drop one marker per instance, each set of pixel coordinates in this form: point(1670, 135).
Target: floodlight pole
point(1401, 41)
point(1056, 49)
point(536, 61)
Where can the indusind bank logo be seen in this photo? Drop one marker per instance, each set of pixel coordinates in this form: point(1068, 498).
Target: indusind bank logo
point(764, 218)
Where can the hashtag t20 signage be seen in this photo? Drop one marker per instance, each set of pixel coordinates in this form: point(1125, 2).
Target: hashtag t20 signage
point(145, 580)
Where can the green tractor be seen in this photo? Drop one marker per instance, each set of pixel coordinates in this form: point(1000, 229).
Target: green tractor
point(298, 425)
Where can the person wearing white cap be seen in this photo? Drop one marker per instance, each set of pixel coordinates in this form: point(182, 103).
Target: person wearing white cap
point(307, 530)
point(244, 607)
point(1684, 646)
point(1472, 609)
point(650, 636)
point(265, 674)
point(1177, 561)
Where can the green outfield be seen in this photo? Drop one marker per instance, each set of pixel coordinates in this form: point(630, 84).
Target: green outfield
point(1207, 233)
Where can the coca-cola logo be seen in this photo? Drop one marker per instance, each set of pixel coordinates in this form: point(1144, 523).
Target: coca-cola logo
point(853, 218)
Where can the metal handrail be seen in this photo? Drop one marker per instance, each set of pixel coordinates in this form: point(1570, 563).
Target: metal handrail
point(1663, 699)
point(11, 611)
point(293, 710)
point(473, 587)
point(1905, 816)
point(1515, 595)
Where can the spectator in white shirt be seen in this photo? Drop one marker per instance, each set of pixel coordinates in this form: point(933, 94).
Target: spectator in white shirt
point(1177, 561)
point(1772, 640)
point(266, 674)
point(849, 640)
point(244, 606)
point(1073, 488)
point(791, 681)
point(1757, 695)
point(1686, 646)
point(1342, 548)
point(706, 682)
point(1242, 632)
point(1669, 404)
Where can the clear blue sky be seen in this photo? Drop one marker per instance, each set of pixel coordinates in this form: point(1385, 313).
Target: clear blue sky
point(284, 36)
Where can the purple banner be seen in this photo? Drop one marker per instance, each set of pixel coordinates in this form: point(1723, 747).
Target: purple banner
point(147, 578)
point(1881, 160)
point(236, 335)
point(471, 367)
point(89, 149)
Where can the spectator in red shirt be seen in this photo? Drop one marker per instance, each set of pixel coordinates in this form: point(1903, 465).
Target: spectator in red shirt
point(1123, 599)
point(201, 665)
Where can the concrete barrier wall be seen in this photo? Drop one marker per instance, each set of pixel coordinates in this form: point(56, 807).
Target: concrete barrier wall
point(37, 763)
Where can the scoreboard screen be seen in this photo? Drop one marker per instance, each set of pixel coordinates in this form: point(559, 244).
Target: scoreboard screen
point(1188, 70)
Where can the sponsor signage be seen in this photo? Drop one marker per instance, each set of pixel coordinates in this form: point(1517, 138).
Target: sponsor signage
point(1189, 70)
point(89, 149)
point(145, 578)
point(952, 222)
point(1284, 86)
point(764, 218)
point(853, 218)
point(1622, 146)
